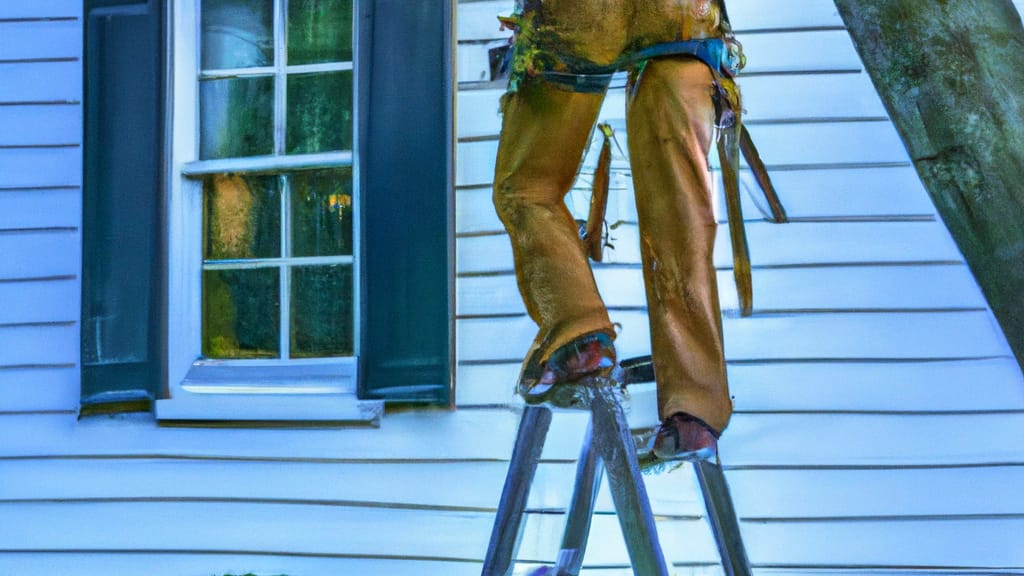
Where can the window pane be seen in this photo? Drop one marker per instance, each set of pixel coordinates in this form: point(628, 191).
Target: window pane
point(321, 311)
point(241, 313)
point(236, 117)
point(237, 33)
point(319, 31)
point(319, 112)
point(322, 213)
point(242, 217)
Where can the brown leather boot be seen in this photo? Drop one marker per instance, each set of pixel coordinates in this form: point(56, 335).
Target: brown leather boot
point(589, 355)
point(685, 437)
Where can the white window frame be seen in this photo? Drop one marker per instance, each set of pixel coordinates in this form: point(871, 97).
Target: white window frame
point(301, 390)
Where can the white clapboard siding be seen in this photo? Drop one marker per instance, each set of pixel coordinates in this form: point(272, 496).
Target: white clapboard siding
point(406, 436)
point(40, 125)
point(859, 288)
point(154, 564)
point(372, 483)
point(827, 243)
point(792, 494)
point(40, 9)
point(825, 336)
point(878, 386)
point(336, 530)
point(309, 529)
point(812, 440)
point(794, 244)
point(40, 208)
point(878, 409)
point(39, 254)
point(38, 344)
point(39, 389)
point(40, 167)
point(866, 386)
point(39, 301)
point(930, 543)
point(787, 146)
point(40, 82)
point(753, 440)
point(777, 290)
point(833, 194)
point(766, 98)
point(781, 145)
point(40, 40)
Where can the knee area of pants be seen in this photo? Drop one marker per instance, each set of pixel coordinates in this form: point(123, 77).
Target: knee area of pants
point(510, 196)
point(506, 200)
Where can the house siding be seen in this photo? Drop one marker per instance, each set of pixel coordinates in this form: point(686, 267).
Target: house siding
point(878, 406)
point(40, 204)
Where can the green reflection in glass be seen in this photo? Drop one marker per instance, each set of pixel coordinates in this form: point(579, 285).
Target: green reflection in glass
point(319, 31)
point(322, 213)
point(237, 34)
point(241, 217)
point(319, 112)
point(321, 311)
point(241, 313)
point(236, 117)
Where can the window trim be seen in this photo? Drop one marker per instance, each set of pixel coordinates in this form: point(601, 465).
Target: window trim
point(200, 389)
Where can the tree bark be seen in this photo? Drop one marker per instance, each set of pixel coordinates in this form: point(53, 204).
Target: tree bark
point(951, 74)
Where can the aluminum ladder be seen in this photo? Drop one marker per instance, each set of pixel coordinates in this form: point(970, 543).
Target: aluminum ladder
point(608, 446)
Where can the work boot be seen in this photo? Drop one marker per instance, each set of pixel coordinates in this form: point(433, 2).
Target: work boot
point(589, 355)
point(685, 437)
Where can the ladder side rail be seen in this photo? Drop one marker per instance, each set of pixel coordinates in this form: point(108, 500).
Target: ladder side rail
point(615, 445)
point(508, 522)
point(722, 517)
point(589, 472)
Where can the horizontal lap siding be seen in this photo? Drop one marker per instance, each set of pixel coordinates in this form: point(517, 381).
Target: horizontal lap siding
point(33, 40)
point(40, 206)
point(830, 461)
point(39, 389)
point(812, 97)
point(782, 146)
point(762, 440)
point(37, 9)
point(40, 125)
point(154, 564)
point(819, 336)
point(52, 301)
point(838, 288)
point(809, 386)
point(41, 253)
point(795, 244)
point(40, 82)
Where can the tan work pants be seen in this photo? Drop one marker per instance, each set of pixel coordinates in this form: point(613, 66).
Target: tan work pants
point(670, 121)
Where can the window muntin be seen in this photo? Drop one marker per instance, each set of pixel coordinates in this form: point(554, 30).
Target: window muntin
point(275, 100)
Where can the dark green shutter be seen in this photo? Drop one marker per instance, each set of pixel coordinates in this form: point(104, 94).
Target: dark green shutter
point(406, 130)
point(122, 273)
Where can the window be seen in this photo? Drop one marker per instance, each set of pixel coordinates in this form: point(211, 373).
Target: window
point(275, 94)
point(306, 208)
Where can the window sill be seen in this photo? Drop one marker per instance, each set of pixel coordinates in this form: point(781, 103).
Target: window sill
point(268, 410)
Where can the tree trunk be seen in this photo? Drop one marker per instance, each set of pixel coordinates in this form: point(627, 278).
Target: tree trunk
point(951, 74)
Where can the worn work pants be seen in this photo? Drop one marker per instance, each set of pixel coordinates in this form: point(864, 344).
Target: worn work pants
point(670, 121)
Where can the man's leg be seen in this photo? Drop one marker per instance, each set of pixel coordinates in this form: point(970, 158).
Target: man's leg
point(670, 119)
point(545, 130)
